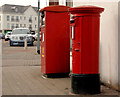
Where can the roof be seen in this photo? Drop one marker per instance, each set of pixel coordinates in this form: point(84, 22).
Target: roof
point(8, 8)
point(56, 8)
point(35, 8)
point(86, 9)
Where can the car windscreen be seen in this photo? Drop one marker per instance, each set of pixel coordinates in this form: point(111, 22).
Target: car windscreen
point(20, 31)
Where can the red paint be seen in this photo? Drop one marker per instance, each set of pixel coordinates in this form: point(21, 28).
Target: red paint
point(55, 57)
point(86, 39)
point(56, 8)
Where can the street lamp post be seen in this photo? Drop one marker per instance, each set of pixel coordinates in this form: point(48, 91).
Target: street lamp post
point(38, 39)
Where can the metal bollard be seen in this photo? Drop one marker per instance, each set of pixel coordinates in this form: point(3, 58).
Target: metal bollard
point(25, 44)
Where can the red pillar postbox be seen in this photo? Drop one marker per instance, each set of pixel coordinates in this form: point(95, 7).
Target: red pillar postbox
point(85, 49)
point(55, 41)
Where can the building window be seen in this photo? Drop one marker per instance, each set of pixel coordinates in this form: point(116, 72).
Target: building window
point(24, 25)
point(8, 18)
point(30, 19)
point(30, 27)
point(0, 26)
point(12, 18)
point(0, 18)
point(17, 26)
point(53, 2)
point(69, 3)
point(20, 17)
point(24, 18)
point(8, 26)
point(12, 26)
point(17, 19)
point(20, 25)
point(35, 26)
point(35, 18)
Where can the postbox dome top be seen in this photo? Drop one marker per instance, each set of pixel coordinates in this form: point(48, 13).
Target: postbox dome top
point(86, 9)
point(55, 8)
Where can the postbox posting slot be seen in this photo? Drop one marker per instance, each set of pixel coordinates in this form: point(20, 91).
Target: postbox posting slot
point(73, 34)
point(43, 38)
point(73, 21)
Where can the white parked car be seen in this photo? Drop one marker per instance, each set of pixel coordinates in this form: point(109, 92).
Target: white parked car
point(7, 36)
point(19, 35)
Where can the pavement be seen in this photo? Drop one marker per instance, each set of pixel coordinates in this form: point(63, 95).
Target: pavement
point(21, 75)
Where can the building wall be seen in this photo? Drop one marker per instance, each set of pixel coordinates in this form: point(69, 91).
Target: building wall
point(4, 19)
point(1, 22)
point(59, 2)
point(29, 12)
point(108, 41)
point(119, 45)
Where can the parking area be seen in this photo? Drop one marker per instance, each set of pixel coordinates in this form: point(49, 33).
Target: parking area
point(18, 56)
point(21, 74)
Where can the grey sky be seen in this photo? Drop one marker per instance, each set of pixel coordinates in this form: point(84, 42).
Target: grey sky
point(23, 2)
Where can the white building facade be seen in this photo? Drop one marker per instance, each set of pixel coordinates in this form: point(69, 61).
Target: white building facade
point(15, 16)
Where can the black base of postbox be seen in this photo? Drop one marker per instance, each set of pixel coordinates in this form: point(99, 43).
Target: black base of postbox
point(56, 75)
point(85, 83)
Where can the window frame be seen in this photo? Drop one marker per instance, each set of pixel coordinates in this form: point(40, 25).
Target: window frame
point(8, 18)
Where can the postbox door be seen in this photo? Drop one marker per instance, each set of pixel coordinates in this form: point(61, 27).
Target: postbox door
point(76, 46)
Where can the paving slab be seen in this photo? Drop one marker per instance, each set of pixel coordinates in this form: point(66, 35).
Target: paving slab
point(28, 80)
